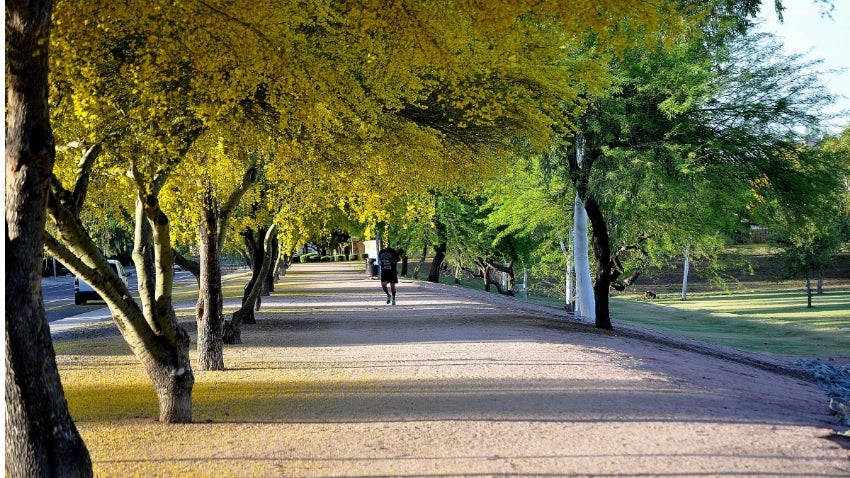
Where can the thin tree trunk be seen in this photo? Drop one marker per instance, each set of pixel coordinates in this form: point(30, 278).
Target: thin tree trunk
point(232, 329)
point(209, 312)
point(403, 255)
point(568, 279)
point(273, 276)
point(41, 439)
point(437, 263)
point(256, 252)
point(143, 258)
point(421, 261)
point(809, 287)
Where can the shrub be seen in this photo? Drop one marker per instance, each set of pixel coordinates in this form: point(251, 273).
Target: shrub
point(309, 257)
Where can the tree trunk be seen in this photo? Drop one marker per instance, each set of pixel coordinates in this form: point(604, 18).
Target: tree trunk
point(151, 331)
point(143, 258)
point(421, 261)
point(273, 276)
point(209, 314)
point(580, 167)
point(41, 439)
point(254, 246)
point(162, 346)
point(568, 277)
point(403, 262)
point(604, 268)
point(212, 233)
point(170, 370)
point(233, 329)
point(437, 263)
point(266, 274)
point(809, 287)
point(491, 273)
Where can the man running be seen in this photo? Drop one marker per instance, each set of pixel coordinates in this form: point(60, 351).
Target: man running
point(388, 258)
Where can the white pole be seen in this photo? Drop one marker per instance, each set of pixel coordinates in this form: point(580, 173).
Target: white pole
point(685, 274)
point(568, 280)
point(585, 302)
point(525, 283)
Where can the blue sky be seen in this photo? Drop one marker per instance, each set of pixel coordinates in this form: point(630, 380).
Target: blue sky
point(804, 30)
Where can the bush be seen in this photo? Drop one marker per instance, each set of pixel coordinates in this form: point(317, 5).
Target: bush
point(310, 257)
point(339, 258)
point(354, 257)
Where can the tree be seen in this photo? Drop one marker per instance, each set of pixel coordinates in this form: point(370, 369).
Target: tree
point(345, 90)
point(658, 151)
point(207, 197)
point(41, 439)
point(809, 233)
point(527, 203)
point(232, 331)
point(839, 147)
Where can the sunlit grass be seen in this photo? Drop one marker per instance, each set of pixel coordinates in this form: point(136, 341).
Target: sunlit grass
point(777, 322)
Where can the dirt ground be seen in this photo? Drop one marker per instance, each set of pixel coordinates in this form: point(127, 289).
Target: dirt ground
point(452, 382)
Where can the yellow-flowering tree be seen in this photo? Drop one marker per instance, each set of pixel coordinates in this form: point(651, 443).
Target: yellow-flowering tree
point(383, 92)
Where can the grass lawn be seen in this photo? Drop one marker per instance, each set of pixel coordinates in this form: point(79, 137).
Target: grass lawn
point(777, 322)
point(768, 318)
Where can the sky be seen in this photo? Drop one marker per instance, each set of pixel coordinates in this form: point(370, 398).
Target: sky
point(804, 30)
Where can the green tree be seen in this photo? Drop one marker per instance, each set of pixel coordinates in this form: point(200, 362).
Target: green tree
point(684, 156)
point(527, 203)
point(839, 147)
point(810, 233)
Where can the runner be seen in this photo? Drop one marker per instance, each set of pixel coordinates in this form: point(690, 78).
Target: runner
point(388, 258)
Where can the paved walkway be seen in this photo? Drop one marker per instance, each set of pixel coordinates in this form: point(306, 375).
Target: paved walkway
point(452, 382)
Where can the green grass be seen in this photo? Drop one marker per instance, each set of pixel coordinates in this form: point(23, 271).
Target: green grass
point(777, 322)
point(772, 319)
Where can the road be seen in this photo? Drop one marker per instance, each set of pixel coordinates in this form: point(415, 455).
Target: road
point(58, 294)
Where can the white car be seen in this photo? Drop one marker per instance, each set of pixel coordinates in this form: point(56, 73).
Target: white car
point(83, 292)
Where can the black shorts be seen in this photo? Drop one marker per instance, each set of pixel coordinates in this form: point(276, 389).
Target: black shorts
point(389, 275)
